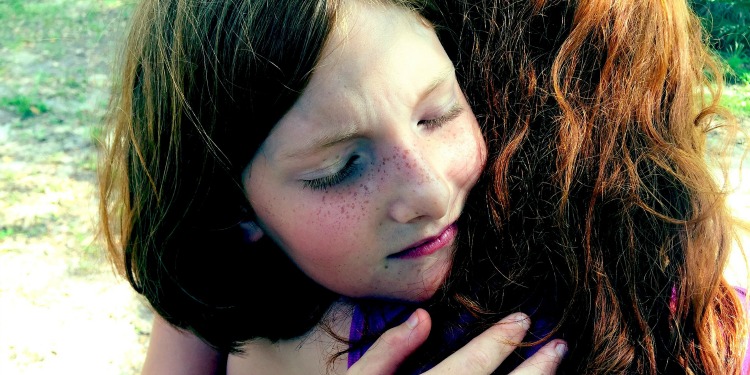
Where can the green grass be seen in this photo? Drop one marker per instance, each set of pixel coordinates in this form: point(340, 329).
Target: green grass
point(47, 53)
point(6, 232)
point(736, 98)
point(50, 21)
point(28, 9)
point(23, 105)
point(9, 8)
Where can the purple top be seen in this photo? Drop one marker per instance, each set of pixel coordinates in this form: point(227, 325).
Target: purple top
point(376, 321)
point(394, 314)
point(390, 314)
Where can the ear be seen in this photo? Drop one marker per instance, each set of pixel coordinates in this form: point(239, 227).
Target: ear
point(253, 233)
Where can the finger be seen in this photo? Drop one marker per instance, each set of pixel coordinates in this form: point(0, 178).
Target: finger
point(544, 361)
point(392, 348)
point(484, 353)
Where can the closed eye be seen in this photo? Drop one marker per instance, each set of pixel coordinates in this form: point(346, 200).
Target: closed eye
point(437, 122)
point(338, 177)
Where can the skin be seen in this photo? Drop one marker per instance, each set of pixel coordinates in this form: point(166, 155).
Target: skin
point(172, 351)
point(377, 155)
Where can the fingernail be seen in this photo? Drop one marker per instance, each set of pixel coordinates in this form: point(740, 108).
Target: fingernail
point(412, 321)
point(561, 349)
point(520, 319)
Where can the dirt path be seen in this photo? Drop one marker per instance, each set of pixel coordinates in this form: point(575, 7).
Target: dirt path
point(63, 311)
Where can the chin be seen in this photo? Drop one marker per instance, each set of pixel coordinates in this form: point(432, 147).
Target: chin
point(429, 286)
point(426, 295)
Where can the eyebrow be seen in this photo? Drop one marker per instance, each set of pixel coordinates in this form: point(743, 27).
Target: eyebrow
point(324, 141)
point(327, 140)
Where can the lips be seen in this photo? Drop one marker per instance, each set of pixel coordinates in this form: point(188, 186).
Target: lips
point(428, 245)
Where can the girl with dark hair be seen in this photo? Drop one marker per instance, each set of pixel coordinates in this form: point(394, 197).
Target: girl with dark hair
point(274, 166)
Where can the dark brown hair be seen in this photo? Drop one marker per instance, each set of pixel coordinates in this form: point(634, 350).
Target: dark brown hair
point(201, 85)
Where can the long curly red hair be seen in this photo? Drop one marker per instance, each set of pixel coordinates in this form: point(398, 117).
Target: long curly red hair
point(597, 114)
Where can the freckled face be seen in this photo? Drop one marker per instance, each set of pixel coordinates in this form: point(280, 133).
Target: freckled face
point(362, 181)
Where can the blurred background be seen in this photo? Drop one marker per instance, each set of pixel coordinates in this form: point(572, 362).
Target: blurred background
point(62, 309)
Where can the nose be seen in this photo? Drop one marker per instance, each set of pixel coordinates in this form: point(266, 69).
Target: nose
point(423, 192)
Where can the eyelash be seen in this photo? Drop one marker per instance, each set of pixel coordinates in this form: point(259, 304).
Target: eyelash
point(349, 168)
point(334, 179)
point(442, 120)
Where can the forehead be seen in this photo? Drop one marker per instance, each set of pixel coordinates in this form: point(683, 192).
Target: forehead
point(368, 37)
point(378, 63)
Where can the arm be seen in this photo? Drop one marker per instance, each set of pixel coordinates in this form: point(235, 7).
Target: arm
point(172, 351)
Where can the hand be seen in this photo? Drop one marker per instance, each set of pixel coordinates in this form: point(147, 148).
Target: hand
point(482, 355)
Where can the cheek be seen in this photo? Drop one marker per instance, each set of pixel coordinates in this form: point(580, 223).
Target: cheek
point(469, 155)
point(328, 226)
point(480, 155)
point(319, 230)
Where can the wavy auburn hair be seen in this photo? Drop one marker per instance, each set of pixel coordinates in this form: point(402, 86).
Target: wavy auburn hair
point(607, 218)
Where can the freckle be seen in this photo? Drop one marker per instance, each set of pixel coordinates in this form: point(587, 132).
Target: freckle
point(355, 194)
point(342, 209)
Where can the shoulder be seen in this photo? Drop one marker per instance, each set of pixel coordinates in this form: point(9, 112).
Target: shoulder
point(304, 355)
point(174, 351)
point(260, 357)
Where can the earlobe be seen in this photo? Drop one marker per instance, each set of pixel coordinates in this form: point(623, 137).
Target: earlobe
point(252, 231)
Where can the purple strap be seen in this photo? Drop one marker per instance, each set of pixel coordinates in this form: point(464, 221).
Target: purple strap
point(376, 321)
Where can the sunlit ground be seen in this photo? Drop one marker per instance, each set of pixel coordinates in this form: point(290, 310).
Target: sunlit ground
point(739, 203)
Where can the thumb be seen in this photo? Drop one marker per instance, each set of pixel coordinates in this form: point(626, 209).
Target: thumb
point(392, 348)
